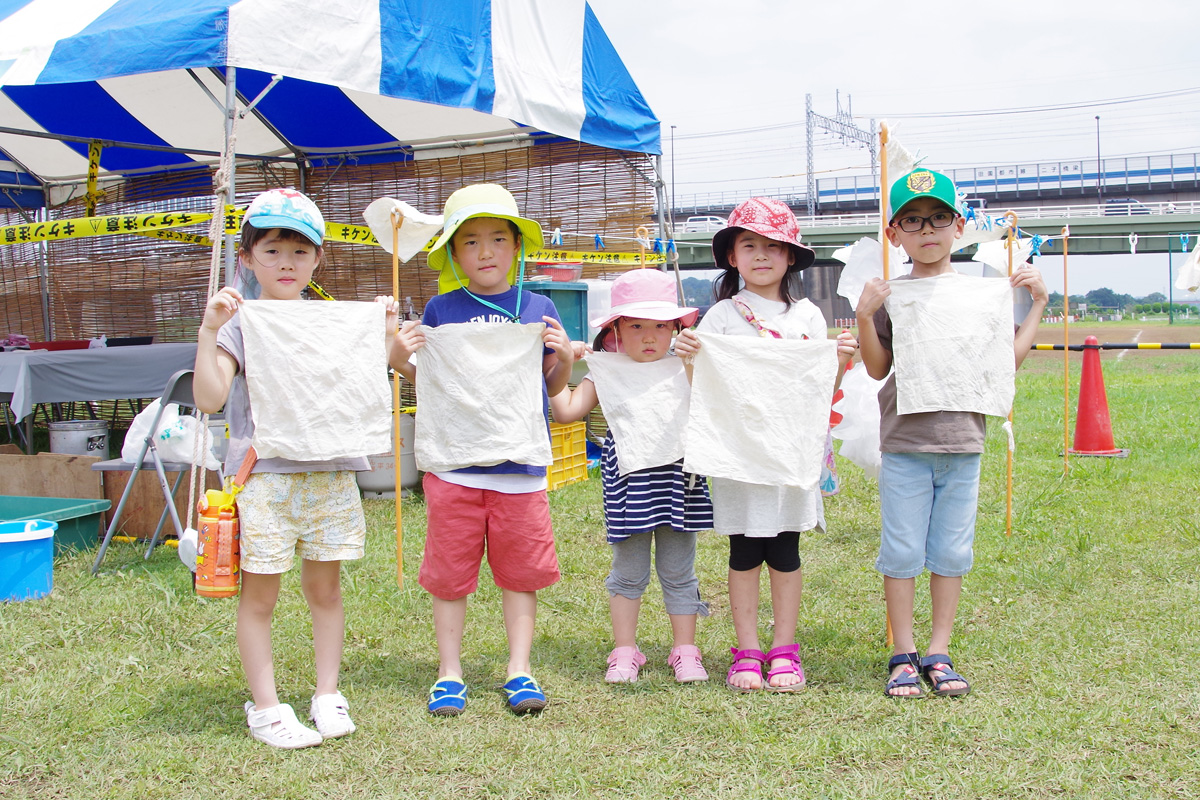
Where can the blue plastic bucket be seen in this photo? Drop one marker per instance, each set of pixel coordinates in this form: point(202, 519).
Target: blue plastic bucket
point(26, 559)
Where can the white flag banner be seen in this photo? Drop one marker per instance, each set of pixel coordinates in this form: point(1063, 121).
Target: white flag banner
point(317, 377)
point(479, 397)
point(645, 404)
point(760, 409)
point(952, 344)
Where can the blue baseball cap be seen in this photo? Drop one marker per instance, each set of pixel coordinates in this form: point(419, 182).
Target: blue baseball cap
point(287, 208)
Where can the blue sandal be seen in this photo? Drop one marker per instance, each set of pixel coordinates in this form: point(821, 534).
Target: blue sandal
point(940, 663)
point(524, 694)
point(910, 676)
point(447, 698)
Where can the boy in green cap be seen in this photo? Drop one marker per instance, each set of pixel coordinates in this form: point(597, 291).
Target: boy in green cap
point(929, 476)
point(501, 508)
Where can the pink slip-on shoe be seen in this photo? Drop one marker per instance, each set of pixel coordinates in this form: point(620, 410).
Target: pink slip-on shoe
point(623, 664)
point(685, 660)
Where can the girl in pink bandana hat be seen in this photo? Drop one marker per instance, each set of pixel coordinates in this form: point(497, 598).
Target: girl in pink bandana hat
point(761, 294)
point(647, 496)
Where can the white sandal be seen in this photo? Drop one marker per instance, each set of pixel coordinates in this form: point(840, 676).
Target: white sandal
point(278, 727)
point(331, 714)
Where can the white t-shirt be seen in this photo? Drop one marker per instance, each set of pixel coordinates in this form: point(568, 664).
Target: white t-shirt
point(749, 508)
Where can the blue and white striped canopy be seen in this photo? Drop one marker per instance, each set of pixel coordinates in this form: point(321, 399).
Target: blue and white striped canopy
point(373, 78)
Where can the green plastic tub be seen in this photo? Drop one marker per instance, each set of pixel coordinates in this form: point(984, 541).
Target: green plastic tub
point(80, 522)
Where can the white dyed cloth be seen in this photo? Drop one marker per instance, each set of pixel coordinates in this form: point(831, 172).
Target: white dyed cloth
point(416, 229)
point(1189, 273)
point(952, 344)
point(995, 254)
point(317, 378)
point(645, 405)
point(479, 397)
point(864, 261)
point(759, 410)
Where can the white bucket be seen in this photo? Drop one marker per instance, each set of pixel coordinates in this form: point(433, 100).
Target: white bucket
point(80, 437)
point(381, 477)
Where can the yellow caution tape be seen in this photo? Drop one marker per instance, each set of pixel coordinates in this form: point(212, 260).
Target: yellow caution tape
point(159, 225)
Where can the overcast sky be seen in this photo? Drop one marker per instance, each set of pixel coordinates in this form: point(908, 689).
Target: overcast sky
point(732, 78)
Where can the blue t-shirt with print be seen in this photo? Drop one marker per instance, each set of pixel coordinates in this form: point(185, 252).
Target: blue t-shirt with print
point(459, 306)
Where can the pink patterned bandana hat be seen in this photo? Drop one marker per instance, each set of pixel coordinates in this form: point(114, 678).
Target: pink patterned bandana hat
point(767, 217)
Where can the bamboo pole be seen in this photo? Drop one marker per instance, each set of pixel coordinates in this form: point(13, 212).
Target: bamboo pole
point(883, 221)
point(883, 240)
point(1008, 492)
point(1066, 233)
point(397, 221)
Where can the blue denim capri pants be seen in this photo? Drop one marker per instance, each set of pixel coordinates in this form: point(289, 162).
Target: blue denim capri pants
point(928, 503)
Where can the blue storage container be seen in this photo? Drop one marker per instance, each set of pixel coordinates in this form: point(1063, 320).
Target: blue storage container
point(80, 522)
point(26, 559)
point(570, 298)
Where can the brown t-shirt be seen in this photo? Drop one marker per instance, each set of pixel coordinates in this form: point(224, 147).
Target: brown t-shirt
point(928, 431)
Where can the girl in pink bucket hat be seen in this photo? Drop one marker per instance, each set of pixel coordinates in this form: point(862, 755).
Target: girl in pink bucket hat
point(647, 496)
point(760, 294)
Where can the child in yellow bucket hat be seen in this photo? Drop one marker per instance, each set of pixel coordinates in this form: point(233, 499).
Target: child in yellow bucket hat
point(501, 508)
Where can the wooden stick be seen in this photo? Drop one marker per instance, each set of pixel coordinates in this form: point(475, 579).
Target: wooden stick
point(397, 221)
point(883, 220)
point(643, 235)
point(1008, 493)
point(1066, 232)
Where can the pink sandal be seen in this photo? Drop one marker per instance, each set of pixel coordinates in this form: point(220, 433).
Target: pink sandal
point(623, 664)
point(685, 660)
point(794, 667)
point(745, 661)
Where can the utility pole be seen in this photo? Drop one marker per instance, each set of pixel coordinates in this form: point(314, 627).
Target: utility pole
point(841, 125)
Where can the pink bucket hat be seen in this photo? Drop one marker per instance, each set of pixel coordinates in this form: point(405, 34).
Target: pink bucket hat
point(767, 217)
point(646, 294)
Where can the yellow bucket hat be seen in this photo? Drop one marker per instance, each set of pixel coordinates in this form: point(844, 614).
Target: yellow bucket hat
point(479, 200)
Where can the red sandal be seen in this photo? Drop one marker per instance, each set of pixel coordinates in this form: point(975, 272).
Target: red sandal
point(746, 661)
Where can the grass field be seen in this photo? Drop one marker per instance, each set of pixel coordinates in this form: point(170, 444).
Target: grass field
point(1078, 633)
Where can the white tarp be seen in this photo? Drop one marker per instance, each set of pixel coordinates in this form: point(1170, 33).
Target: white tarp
point(645, 404)
point(317, 377)
point(479, 395)
point(952, 344)
point(760, 409)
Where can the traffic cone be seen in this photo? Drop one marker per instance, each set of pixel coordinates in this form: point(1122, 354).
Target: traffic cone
point(1093, 429)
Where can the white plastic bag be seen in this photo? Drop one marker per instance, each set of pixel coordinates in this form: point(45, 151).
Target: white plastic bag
point(175, 438)
point(859, 428)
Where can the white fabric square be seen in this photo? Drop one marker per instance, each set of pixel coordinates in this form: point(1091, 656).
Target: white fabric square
point(317, 377)
point(952, 344)
point(646, 406)
point(479, 397)
point(760, 409)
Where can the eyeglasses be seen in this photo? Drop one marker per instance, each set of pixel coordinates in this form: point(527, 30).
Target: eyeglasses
point(913, 224)
point(274, 255)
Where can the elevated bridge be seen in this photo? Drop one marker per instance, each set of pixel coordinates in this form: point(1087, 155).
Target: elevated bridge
point(1146, 179)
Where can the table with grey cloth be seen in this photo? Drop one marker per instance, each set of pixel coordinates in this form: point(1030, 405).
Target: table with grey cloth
point(29, 377)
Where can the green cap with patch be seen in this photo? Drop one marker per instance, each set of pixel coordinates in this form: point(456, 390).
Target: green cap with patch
point(923, 183)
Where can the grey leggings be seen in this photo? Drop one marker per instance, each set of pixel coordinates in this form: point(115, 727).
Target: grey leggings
point(675, 562)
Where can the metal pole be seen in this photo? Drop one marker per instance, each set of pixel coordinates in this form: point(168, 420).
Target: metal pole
point(231, 192)
point(1099, 169)
point(1170, 286)
point(673, 177)
point(811, 190)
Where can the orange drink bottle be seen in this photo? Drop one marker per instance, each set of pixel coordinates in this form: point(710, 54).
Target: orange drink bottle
point(217, 548)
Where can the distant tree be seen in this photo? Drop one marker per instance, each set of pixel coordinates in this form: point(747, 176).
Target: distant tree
point(1156, 307)
point(698, 291)
point(1154, 297)
point(1056, 300)
point(1107, 298)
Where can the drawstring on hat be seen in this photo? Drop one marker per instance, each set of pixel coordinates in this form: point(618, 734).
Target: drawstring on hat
point(515, 317)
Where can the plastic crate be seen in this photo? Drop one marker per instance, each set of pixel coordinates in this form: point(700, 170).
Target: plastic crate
point(78, 520)
point(568, 443)
point(571, 301)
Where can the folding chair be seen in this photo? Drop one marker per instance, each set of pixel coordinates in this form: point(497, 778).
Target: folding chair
point(178, 390)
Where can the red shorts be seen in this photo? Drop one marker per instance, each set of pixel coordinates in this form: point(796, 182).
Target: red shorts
point(514, 528)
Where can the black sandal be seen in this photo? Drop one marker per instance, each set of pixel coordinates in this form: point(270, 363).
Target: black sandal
point(940, 662)
point(910, 676)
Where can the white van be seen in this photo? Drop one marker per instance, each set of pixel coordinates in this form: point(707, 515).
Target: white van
point(703, 224)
